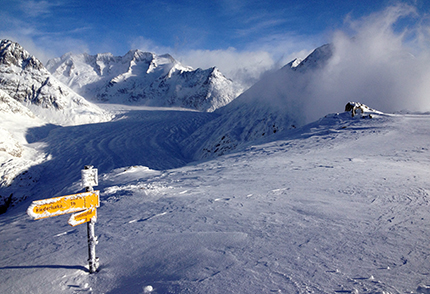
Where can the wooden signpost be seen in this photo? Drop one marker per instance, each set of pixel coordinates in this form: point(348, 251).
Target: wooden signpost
point(83, 205)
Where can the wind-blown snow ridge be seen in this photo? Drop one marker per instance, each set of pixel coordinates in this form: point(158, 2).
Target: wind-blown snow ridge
point(317, 59)
point(143, 78)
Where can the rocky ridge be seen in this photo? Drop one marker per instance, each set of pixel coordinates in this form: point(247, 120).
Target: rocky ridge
point(143, 78)
point(24, 78)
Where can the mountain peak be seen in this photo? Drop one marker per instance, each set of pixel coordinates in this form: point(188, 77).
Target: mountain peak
point(138, 55)
point(11, 53)
point(26, 80)
point(168, 57)
point(318, 58)
point(294, 63)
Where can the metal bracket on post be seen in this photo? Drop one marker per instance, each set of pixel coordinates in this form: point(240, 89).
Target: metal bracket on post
point(90, 179)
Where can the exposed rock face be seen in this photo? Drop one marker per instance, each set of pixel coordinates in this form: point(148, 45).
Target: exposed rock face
point(358, 109)
point(24, 78)
point(10, 106)
point(12, 54)
point(143, 78)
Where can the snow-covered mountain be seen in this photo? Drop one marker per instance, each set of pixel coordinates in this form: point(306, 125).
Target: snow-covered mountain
point(273, 104)
point(31, 98)
point(24, 78)
point(143, 78)
point(16, 156)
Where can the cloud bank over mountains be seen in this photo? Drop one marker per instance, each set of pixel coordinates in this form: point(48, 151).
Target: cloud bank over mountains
point(380, 66)
point(381, 59)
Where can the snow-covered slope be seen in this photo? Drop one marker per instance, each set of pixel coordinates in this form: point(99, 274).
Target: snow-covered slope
point(15, 119)
point(30, 97)
point(145, 137)
point(317, 59)
point(273, 104)
point(24, 78)
point(16, 156)
point(143, 78)
point(336, 206)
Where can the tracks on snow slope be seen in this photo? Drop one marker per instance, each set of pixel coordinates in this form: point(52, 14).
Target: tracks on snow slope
point(150, 138)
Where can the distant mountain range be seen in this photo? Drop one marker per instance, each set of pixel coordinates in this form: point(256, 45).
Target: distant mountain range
point(61, 92)
point(57, 92)
point(143, 78)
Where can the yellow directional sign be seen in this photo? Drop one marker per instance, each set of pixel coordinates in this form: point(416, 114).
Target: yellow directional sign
point(63, 205)
point(83, 217)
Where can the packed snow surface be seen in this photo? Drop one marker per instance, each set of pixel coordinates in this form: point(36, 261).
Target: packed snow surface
point(340, 205)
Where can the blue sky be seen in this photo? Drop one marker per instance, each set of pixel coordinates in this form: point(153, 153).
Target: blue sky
point(194, 32)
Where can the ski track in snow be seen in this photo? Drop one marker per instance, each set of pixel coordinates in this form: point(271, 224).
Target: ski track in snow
point(336, 207)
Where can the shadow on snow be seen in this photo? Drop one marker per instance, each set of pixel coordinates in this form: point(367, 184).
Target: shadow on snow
point(141, 137)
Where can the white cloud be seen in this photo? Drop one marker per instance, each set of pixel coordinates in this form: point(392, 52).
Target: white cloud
point(37, 8)
point(244, 67)
point(41, 44)
point(44, 46)
point(375, 67)
point(383, 66)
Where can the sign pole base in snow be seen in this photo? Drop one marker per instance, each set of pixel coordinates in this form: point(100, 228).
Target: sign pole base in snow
point(89, 179)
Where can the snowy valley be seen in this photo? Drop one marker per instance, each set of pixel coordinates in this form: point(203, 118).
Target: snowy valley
point(260, 194)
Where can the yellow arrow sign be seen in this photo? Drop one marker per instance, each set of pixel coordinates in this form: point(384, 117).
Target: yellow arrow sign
point(83, 217)
point(63, 205)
